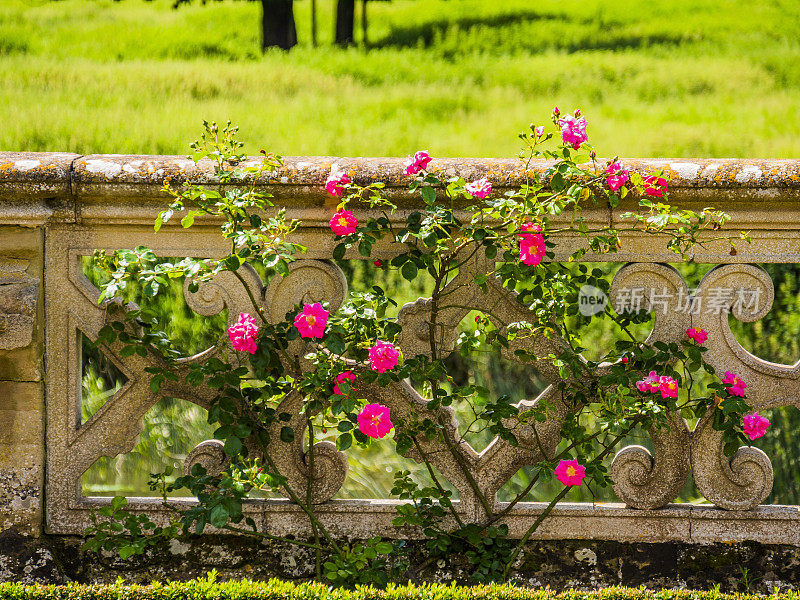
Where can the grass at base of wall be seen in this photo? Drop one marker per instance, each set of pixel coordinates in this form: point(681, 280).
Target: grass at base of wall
point(208, 589)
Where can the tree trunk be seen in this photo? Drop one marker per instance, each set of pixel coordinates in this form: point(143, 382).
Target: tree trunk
point(277, 24)
point(345, 21)
point(364, 39)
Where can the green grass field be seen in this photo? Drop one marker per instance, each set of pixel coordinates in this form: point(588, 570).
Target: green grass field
point(459, 77)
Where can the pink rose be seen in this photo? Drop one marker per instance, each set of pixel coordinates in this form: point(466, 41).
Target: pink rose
point(336, 182)
point(556, 112)
point(625, 360)
point(668, 387)
point(418, 162)
point(617, 176)
point(569, 472)
point(480, 188)
point(375, 421)
point(697, 334)
point(243, 334)
point(656, 186)
point(651, 383)
point(755, 425)
point(343, 222)
point(531, 245)
point(348, 376)
point(573, 131)
point(734, 384)
point(383, 356)
point(311, 321)
point(539, 131)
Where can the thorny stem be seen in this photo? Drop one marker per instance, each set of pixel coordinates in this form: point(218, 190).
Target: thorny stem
point(436, 479)
point(310, 490)
point(560, 495)
point(440, 275)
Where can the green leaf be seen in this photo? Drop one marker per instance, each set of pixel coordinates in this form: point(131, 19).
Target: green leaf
point(409, 271)
point(429, 194)
point(287, 434)
point(219, 516)
point(344, 441)
point(125, 552)
point(338, 251)
point(233, 446)
point(335, 343)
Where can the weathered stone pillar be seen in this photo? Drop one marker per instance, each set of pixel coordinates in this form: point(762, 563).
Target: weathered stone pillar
point(21, 386)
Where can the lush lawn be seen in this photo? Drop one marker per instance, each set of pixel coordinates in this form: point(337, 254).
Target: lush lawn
point(459, 77)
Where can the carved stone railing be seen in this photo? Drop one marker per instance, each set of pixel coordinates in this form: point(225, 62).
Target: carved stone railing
point(57, 208)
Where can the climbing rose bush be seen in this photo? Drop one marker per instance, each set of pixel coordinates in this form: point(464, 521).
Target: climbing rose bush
point(342, 363)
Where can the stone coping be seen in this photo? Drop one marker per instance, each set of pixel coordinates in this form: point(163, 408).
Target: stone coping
point(702, 524)
point(27, 174)
point(60, 168)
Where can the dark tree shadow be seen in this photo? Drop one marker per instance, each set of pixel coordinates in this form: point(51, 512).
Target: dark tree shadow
point(591, 34)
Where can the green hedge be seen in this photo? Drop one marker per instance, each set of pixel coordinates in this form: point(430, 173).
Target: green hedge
point(208, 589)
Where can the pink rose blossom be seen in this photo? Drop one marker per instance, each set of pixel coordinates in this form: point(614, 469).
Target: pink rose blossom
point(577, 112)
point(573, 131)
point(531, 245)
point(343, 222)
point(311, 321)
point(734, 384)
point(539, 131)
point(375, 421)
point(617, 176)
point(336, 182)
point(755, 425)
point(697, 334)
point(480, 188)
point(383, 356)
point(651, 383)
point(569, 472)
point(625, 360)
point(418, 162)
point(668, 387)
point(556, 112)
point(348, 376)
point(656, 186)
point(243, 334)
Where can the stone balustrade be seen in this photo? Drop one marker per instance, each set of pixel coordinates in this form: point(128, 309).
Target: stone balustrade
point(57, 208)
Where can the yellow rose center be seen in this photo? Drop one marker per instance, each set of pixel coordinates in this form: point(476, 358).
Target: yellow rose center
point(310, 320)
point(571, 472)
point(376, 419)
point(343, 221)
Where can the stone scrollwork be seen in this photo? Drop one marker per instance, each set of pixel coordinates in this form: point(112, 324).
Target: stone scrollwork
point(307, 281)
point(641, 479)
point(744, 480)
point(210, 455)
point(646, 481)
point(740, 482)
